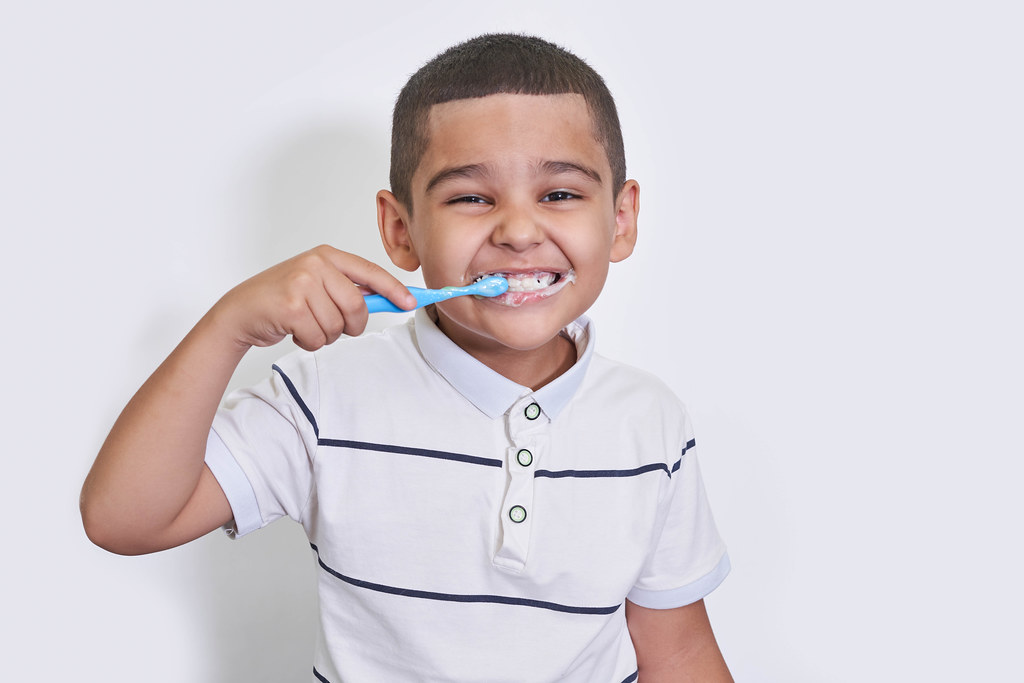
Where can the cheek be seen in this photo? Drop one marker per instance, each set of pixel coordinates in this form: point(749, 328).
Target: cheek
point(590, 250)
point(445, 262)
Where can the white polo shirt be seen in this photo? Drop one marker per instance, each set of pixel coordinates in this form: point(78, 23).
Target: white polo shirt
point(467, 528)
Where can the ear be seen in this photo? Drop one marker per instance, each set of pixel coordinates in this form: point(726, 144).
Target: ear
point(393, 222)
point(627, 208)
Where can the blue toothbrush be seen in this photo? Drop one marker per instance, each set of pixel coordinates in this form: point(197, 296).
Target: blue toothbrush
point(489, 286)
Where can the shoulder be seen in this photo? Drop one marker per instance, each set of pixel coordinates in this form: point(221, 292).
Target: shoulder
point(617, 385)
point(637, 401)
point(375, 360)
point(611, 379)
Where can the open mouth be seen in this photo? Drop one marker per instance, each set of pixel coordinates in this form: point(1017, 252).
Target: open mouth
point(524, 287)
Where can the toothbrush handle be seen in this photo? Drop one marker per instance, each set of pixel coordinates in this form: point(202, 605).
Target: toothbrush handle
point(375, 303)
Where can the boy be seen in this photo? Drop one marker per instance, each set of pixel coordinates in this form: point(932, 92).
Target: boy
point(482, 493)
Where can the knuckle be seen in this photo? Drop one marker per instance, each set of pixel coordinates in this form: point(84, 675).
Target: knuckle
point(333, 331)
point(310, 342)
point(301, 279)
point(320, 255)
point(293, 307)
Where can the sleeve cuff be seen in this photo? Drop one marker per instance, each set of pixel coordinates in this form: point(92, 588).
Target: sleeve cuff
point(684, 595)
point(235, 485)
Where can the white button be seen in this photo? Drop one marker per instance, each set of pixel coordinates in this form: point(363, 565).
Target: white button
point(524, 457)
point(532, 411)
point(517, 514)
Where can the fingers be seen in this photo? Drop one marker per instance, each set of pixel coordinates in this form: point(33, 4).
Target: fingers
point(334, 304)
point(313, 297)
point(371, 277)
point(341, 309)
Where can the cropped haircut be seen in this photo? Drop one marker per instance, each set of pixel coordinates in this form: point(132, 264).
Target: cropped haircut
point(488, 65)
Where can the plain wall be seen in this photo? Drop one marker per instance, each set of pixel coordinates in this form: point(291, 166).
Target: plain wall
point(828, 273)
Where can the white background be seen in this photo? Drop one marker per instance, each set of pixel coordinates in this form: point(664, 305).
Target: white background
point(829, 273)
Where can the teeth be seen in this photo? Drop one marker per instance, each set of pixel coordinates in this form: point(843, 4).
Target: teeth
point(530, 283)
point(544, 283)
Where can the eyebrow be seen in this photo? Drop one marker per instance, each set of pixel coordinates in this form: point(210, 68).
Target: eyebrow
point(467, 171)
point(481, 170)
point(558, 167)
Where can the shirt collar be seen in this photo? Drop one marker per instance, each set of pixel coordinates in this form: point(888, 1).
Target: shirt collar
point(490, 392)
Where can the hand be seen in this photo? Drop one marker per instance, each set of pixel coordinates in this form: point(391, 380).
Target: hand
point(316, 297)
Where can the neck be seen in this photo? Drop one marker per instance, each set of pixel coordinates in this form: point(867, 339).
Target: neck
point(532, 368)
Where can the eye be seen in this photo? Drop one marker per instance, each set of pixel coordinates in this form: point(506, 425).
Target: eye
point(467, 199)
point(559, 196)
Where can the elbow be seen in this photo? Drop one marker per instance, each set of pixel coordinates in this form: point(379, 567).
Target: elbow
point(100, 533)
point(104, 540)
point(104, 531)
point(113, 542)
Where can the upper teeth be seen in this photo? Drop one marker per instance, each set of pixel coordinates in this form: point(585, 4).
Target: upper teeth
point(529, 283)
point(545, 283)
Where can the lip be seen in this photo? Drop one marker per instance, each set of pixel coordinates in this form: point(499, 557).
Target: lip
point(530, 285)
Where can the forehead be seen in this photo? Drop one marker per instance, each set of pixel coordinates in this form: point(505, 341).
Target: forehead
point(508, 127)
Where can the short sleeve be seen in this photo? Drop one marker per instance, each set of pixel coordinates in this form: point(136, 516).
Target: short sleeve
point(689, 558)
point(262, 446)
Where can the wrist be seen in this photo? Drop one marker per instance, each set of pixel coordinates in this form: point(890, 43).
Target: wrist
point(218, 328)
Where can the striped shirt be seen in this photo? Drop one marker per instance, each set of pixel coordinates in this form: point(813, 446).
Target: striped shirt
point(464, 527)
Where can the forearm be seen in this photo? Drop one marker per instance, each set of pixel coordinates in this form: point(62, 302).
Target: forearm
point(701, 663)
point(151, 462)
point(149, 488)
point(676, 645)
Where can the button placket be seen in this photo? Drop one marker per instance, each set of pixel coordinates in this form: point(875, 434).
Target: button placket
point(527, 432)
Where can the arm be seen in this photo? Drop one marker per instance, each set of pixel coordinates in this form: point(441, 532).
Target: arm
point(149, 488)
point(675, 645)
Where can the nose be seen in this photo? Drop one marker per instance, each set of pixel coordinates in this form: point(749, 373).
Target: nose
point(518, 230)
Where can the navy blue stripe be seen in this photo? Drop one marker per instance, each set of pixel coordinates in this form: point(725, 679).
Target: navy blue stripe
point(408, 450)
point(598, 474)
point(455, 597)
point(298, 399)
point(629, 679)
point(587, 474)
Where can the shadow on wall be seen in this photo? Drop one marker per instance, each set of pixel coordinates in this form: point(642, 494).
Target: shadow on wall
point(254, 599)
point(318, 186)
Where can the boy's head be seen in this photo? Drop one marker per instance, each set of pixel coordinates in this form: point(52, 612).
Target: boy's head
point(508, 161)
point(489, 65)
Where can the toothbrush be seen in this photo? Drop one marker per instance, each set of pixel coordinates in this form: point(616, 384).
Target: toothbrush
point(489, 286)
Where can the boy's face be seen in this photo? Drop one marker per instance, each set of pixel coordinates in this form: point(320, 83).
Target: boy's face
point(515, 185)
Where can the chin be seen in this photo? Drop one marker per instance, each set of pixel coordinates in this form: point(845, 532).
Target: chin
point(522, 331)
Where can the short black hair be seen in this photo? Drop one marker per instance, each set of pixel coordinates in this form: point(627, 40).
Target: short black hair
point(488, 65)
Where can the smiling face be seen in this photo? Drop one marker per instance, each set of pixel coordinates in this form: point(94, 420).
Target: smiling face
point(516, 185)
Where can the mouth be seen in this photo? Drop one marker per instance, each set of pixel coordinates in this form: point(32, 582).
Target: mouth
point(529, 286)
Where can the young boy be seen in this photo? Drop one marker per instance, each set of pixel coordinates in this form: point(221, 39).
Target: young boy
point(485, 497)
